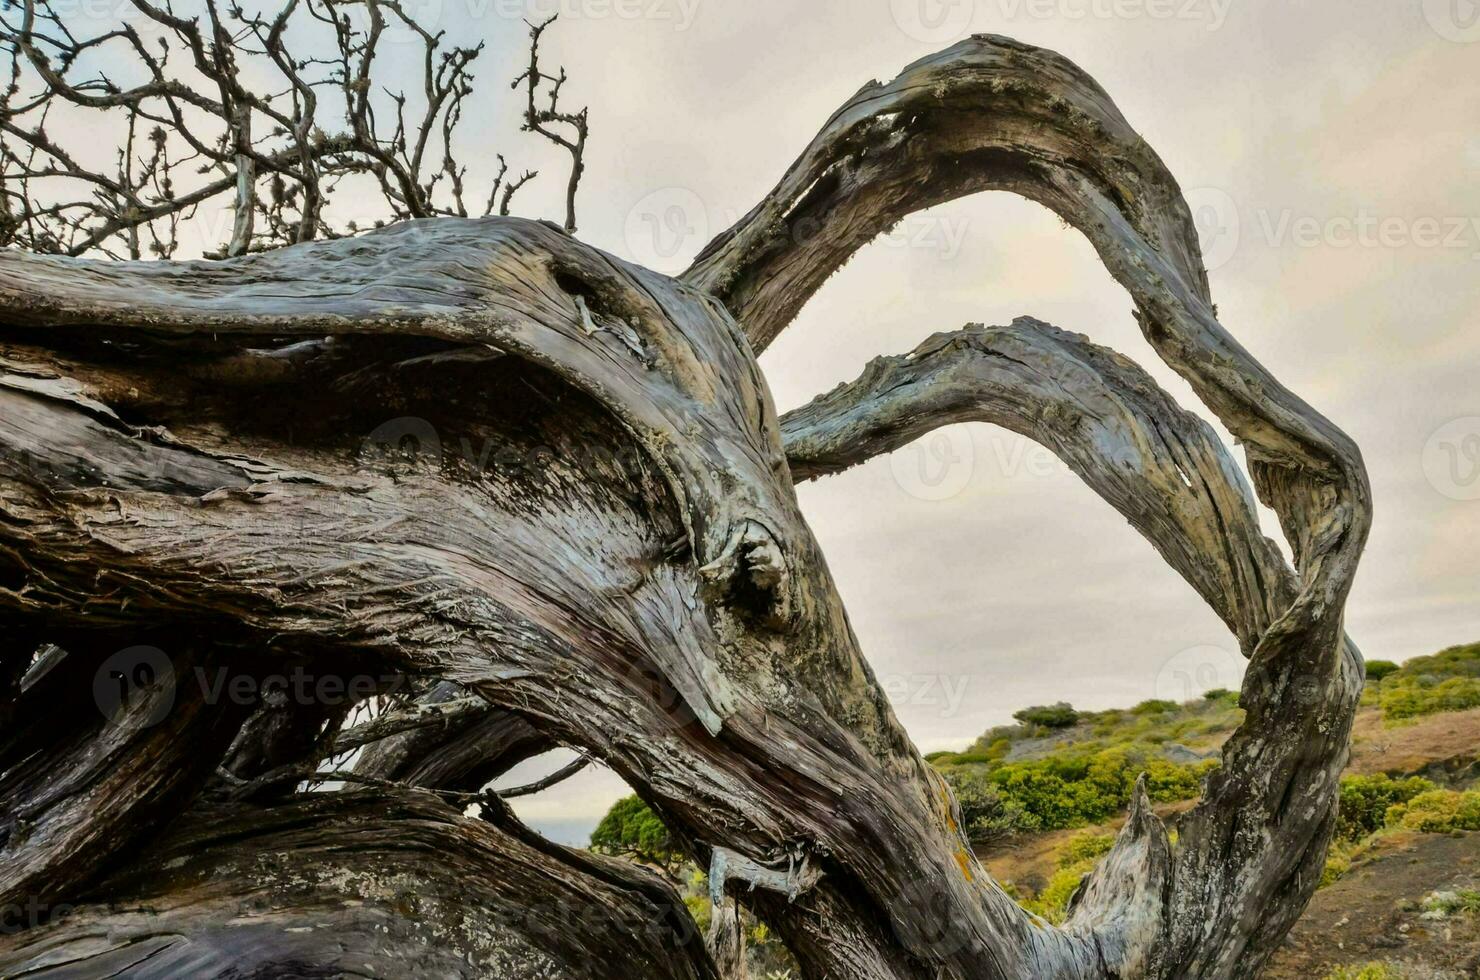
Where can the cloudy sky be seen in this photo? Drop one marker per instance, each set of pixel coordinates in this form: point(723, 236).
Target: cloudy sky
point(1331, 153)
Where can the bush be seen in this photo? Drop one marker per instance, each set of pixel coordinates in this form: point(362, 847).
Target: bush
point(1446, 681)
point(1365, 801)
point(1154, 706)
point(1053, 902)
point(1085, 847)
point(1443, 905)
point(1366, 971)
point(630, 829)
point(1067, 790)
point(1378, 669)
point(986, 815)
point(1060, 715)
point(1437, 812)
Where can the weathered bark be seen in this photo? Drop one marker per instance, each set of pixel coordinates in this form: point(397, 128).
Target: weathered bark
point(370, 884)
point(470, 744)
point(628, 569)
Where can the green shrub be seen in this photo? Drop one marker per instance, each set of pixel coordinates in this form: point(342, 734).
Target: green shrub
point(1071, 790)
point(1437, 812)
point(1060, 715)
point(1426, 695)
point(987, 815)
point(1154, 706)
point(1366, 971)
point(1378, 669)
point(630, 829)
point(1365, 801)
point(1085, 847)
point(1442, 905)
point(700, 910)
point(1446, 681)
point(1053, 902)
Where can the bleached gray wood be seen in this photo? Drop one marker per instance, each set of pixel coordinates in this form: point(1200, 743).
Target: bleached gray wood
point(191, 447)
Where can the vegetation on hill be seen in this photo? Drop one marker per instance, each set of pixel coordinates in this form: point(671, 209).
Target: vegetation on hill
point(1446, 681)
point(1062, 768)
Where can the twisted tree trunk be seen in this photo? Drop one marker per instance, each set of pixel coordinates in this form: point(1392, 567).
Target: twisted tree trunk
point(597, 534)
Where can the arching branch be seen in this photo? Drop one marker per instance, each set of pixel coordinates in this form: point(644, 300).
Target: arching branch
point(641, 583)
point(1161, 467)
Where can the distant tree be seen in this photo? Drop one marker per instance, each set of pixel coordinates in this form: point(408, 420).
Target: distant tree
point(631, 829)
point(986, 815)
point(1378, 669)
point(1058, 715)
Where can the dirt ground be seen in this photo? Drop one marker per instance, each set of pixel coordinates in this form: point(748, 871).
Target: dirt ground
point(1373, 913)
point(1442, 747)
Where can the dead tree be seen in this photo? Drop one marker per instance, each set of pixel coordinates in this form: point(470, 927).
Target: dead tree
point(192, 464)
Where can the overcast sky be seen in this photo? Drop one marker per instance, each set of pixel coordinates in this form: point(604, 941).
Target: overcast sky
point(1331, 152)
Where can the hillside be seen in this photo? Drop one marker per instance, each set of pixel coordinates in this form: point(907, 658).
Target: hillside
point(1042, 799)
point(1401, 900)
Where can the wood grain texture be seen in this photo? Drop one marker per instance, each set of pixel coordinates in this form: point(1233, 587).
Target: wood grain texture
point(482, 453)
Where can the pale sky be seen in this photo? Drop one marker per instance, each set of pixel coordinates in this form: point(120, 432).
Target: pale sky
point(1331, 151)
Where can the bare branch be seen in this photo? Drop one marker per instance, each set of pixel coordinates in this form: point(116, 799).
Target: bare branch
point(539, 118)
point(213, 136)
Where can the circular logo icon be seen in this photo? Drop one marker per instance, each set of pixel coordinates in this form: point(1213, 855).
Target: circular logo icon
point(1215, 215)
point(1195, 671)
point(940, 927)
point(1451, 459)
point(936, 466)
point(666, 229)
point(405, 442)
point(1454, 20)
point(655, 689)
point(135, 677)
point(933, 21)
